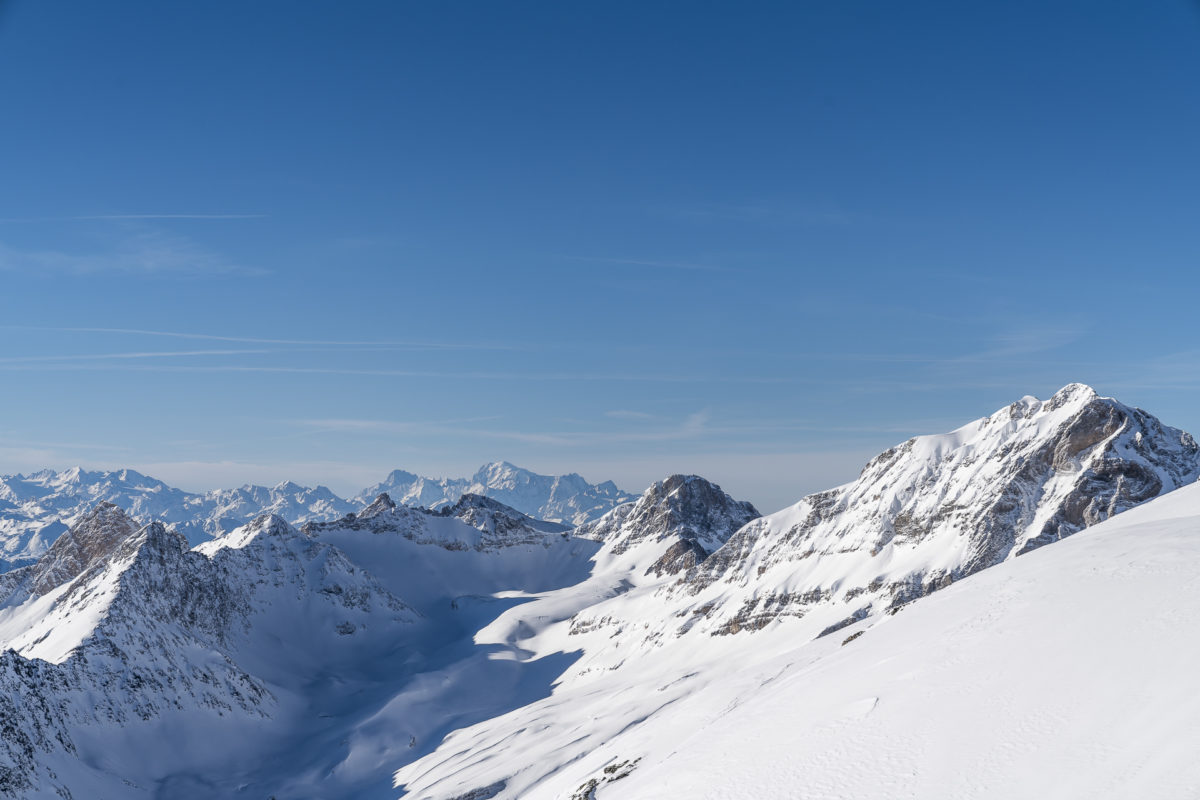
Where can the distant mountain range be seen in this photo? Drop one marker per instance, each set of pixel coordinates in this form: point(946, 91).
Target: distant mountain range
point(35, 509)
point(558, 498)
point(966, 619)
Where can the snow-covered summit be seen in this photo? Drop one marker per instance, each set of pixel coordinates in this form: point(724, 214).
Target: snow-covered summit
point(935, 509)
point(567, 498)
point(473, 521)
point(693, 513)
point(36, 509)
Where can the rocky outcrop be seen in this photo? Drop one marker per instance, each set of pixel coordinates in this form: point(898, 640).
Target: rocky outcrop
point(686, 508)
point(473, 522)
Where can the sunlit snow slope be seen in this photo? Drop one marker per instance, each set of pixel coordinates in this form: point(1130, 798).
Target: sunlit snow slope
point(1067, 673)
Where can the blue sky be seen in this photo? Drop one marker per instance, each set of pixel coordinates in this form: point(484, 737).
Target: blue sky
point(758, 241)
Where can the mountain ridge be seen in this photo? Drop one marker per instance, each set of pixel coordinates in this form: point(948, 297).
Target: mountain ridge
point(36, 509)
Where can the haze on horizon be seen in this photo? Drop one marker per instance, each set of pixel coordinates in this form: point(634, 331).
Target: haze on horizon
point(256, 242)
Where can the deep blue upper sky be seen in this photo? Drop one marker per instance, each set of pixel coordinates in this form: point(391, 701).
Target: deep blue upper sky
point(759, 241)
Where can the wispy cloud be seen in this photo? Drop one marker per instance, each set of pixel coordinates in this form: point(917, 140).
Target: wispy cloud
point(170, 216)
point(342, 425)
point(625, 414)
point(761, 214)
point(123, 356)
point(145, 253)
point(128, 217)
point(413, 344)
point(648, 377)
point(641, 262)
point(691, 427)
point(1022, 343)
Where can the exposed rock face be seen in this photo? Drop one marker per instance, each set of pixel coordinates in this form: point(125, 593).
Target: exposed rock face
point(938, 508)
point(499, 523)
point(686, 508)
point(380, 505)
point(559, 498)
point(473, 522)
point(85, 546)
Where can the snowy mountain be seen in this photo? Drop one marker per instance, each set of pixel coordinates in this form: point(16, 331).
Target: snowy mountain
point(1065, 673)
point(35, 509)
point(938, 508)
point(561, 498)
point(474, 522)
point(694, 517)
point(120, 633)
point(679, 645)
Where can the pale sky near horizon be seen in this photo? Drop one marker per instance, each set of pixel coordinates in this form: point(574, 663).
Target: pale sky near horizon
point(249, 242)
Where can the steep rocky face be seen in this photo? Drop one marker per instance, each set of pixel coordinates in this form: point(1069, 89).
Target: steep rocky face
point(559, 498)
point(86, 545)
point(938, 508)
point(672, 527)
point(695, 514)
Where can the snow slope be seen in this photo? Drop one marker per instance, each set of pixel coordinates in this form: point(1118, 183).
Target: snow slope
point(1066, 673)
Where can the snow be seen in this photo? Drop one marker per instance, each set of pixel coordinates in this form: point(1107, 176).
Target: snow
point(1065, 673)
point(35, 509)
point(476, 652)
point(559, 498)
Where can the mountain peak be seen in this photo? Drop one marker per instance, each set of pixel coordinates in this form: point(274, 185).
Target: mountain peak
point(563, 498)
point(686, 507)
point(380, 505)
point(938, 508)
point(91, 540)
point(1071, 394)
